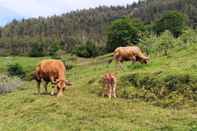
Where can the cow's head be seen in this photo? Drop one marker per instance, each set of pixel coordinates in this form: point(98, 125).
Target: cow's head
point(60, 86)
point(144, 60)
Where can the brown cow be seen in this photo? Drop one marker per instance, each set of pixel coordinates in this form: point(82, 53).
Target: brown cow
point(109, 85)
point(51, 71)
point(130, 53)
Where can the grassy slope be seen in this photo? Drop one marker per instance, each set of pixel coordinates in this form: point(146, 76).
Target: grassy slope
point(82, 108)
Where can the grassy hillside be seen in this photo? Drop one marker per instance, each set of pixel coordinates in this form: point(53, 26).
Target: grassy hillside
point(82, 107)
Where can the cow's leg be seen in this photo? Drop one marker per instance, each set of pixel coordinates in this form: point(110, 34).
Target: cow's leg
point(119, 62)
point(133, 59)
point(103, 92)
point(38, 86)
point(45, 86)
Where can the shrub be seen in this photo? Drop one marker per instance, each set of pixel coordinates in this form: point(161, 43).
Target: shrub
point(162, 91)
point(37, 50)
point(122, 32)
point(9, 84)
point(54, 49)
point(16, 70)
point(89, 49)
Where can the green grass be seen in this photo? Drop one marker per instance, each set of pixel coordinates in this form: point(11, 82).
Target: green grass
point(79, 110)
point(82, 108)
point(28, 63)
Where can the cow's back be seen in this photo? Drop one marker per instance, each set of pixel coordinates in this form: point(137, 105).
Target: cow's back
point(124, 52)
point(48, 68)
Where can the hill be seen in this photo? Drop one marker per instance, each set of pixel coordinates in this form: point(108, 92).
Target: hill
point(138, 106)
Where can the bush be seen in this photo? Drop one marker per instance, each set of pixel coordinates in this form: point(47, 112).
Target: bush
point(162, 91)
point(55, 49)
point(37, 50)
point(16, 70)
point(89, 49)
point(122, 32)
point(9, 84)
point(173, 21)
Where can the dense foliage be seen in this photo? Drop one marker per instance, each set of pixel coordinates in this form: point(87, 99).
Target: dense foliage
point(172, 21)
point(16, 70)
point(123, 32)
point(88, 49)
point(74, 28)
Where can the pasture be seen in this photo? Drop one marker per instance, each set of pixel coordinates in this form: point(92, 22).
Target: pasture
point(82, 108)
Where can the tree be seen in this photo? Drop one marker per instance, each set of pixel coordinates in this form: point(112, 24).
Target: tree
point(173, 21)
point(122, 32)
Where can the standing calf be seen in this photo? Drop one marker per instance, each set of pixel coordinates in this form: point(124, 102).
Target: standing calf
point(109, 85)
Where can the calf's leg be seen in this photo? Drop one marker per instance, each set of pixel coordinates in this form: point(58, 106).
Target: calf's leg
point(114, 91)
point(109, 93)
point(38, 87)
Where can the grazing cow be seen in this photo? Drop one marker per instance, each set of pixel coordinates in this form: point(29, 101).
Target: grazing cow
point(51, 71)
point(109, 85)
point(130, 53)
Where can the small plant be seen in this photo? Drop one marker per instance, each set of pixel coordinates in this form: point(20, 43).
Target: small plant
point(16, 70)
point(165, 43)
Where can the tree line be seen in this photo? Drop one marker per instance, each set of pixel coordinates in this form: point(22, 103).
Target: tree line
point(72, 31)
